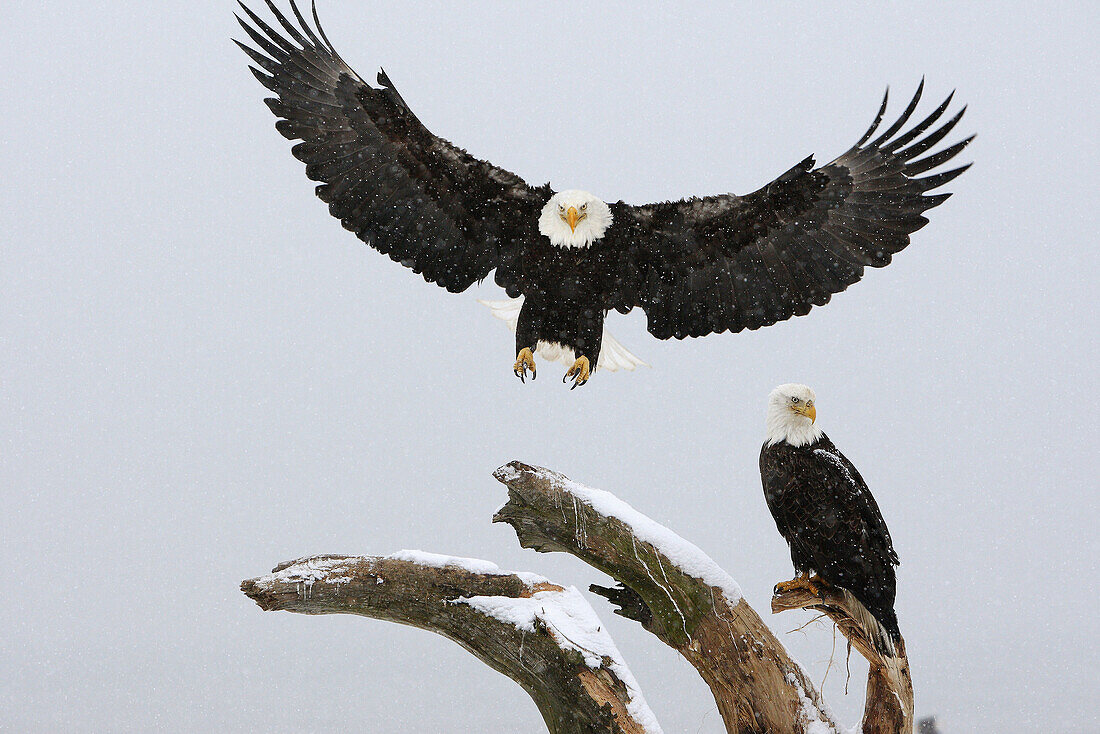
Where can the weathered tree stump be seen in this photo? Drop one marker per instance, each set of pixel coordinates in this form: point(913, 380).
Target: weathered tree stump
point(889, 703)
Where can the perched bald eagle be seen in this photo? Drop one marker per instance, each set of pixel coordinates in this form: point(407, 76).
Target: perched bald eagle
point(696, 266)
point(825, 511)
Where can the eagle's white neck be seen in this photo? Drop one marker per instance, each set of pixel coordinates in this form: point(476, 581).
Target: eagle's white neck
point(780, 428)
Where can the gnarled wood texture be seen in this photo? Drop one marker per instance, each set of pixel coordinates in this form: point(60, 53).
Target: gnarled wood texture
point(574, 695)
point(889, 706)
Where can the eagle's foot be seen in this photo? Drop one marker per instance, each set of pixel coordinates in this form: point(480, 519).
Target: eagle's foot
point(798, 582)
point(524, 360)
point(580, 372)
point(818, 586)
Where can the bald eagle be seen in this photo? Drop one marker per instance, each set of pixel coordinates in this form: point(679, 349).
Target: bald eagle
point(696, 266)
point(825, 511)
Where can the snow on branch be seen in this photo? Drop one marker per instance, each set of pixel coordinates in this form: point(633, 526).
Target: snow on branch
point(544, 636)
point(675, 591)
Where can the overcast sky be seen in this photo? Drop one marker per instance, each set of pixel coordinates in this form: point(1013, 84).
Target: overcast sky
point(202, 374)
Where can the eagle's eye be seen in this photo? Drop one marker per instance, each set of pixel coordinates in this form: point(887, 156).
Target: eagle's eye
point(584, 206)
point(561, 207)
point(796, 401)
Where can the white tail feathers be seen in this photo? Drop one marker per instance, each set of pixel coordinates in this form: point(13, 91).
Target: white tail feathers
point(879, 636)
point(613, 355)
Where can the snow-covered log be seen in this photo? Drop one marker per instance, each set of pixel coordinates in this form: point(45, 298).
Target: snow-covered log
point(889, 706)
point(675, 591)
point(543, 636)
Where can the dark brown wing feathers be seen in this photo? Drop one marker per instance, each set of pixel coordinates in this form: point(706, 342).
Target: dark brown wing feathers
point(415, 197)
point(827, 514)
point(697, 266)
point(726, 263)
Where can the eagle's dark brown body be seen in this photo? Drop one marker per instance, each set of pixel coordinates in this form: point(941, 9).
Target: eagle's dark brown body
point(824, 509)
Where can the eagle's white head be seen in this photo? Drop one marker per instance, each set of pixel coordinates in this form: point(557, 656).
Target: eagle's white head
point(574, 219)
point(791, 415)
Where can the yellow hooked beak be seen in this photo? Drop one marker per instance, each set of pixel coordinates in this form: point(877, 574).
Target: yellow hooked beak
point(572, 217)
point(807, 410)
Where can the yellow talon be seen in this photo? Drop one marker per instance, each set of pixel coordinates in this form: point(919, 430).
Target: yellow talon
point(524, 360)
point(813, 584)
point(817, 585)
point(580, 371)
point(798, 582)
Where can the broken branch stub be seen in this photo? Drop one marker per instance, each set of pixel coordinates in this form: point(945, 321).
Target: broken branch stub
point(674, 590)
point(889, 703)
point(542, 635)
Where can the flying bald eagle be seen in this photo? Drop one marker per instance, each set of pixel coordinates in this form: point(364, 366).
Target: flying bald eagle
point(696, 266)
point(825, 511)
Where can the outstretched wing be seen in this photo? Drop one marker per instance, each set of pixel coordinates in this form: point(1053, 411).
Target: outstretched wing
point(726, 263)
point(424, 202)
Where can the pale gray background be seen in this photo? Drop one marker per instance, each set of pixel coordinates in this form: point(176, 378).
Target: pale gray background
point(202, 374)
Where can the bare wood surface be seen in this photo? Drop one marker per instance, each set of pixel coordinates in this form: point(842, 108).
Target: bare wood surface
point(757, 686)
point(573, 696)
point(889, 704)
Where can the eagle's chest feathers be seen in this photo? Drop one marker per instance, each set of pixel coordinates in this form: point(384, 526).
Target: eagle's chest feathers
point(787, 462)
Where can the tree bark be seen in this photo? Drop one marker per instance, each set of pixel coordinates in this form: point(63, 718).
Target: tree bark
point(576, 691)
point(889, 704)
point(757, 686)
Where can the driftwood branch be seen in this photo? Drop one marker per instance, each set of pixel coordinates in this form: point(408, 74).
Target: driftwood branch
point(675, 591)
point(543, 636)
point(889, 706)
